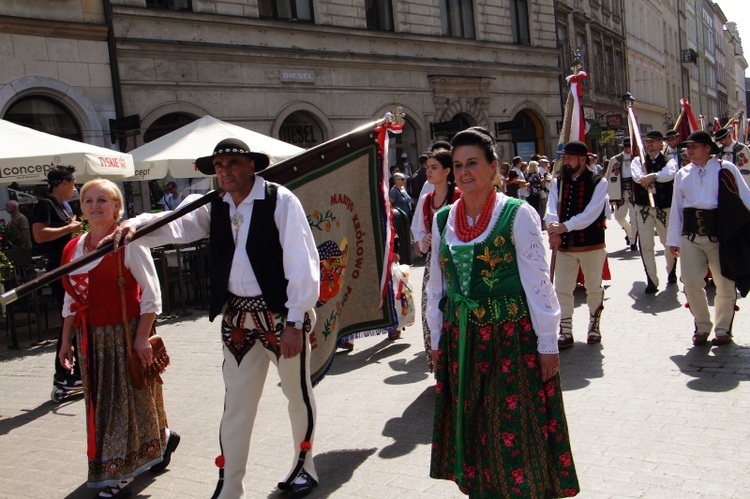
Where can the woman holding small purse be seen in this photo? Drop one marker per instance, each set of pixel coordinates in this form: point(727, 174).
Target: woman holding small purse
point(126, 427)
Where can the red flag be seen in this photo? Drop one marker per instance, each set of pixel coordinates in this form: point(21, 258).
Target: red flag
point(686, 123)
point(717, 125)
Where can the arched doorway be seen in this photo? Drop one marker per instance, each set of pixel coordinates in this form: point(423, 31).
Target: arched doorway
point(45, 115)
point(302, 130)
point(527, 135)
point(403, 150)
point(447, 129)
point(166, 124)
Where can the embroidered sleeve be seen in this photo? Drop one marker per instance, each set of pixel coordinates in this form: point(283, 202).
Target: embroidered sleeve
point(534, 271)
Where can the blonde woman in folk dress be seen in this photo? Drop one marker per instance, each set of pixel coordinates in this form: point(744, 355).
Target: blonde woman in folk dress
point(440, 175)
point(500, 428)
point(126, 427)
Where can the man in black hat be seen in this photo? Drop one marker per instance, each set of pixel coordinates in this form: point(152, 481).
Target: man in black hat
point(575, 224)
point(620, 191)
point(265, 275)
point(735, 152)
point(52, 227)
point(674, 152)
point(694, 236)
point(653, 181)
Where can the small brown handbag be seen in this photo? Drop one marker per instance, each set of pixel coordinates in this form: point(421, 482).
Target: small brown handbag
point(141, 377)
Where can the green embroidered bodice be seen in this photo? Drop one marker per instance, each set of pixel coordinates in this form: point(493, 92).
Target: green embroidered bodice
point(486, 273)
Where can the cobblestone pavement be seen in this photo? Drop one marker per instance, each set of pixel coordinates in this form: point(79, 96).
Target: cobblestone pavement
point(649, 415)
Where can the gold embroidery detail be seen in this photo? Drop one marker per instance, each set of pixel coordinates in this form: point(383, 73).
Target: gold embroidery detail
point(490, 258)
point(479, 312)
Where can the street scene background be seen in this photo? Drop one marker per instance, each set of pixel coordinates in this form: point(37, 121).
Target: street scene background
point(649, 415)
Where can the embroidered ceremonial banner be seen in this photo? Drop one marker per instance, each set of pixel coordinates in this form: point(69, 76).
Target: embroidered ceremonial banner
point(340, 185)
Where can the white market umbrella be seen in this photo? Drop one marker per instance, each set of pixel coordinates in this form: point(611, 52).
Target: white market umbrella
point(174, 154)
point(26, 155)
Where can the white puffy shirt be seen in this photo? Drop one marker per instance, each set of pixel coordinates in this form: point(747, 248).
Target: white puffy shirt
point(301, 262)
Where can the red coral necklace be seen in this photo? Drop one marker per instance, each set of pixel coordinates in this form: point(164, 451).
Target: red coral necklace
point(465, 232)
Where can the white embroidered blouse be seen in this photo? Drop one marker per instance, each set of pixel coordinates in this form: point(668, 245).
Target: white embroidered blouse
point(533, 269)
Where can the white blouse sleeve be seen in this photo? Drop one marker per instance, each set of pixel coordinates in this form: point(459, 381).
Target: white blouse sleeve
point(138, 260)
point(418, 229)
point(435, 290)
point(534, 272)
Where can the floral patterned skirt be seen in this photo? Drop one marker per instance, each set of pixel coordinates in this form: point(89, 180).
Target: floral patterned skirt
point(425, 327)
point(515, 436)
point(128, 434)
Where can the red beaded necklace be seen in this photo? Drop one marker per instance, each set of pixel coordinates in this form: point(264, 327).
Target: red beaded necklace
point(466, 233)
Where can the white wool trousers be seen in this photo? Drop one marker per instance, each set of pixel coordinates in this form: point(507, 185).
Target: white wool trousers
point(650, 219)
point(244, 387)
point(566, 271)
point(694, 256)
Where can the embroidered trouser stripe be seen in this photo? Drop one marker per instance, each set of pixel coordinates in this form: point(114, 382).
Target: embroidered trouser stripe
point(306, 394)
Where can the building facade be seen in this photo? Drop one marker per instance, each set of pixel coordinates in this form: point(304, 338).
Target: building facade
point(654, 62)
point(306, 71)
point(55, 74)
point(593, 31)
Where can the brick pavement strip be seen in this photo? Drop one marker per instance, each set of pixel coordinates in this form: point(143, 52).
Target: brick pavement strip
point(649, 415)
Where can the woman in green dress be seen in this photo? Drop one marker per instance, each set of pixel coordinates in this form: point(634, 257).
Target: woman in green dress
point(500, 428)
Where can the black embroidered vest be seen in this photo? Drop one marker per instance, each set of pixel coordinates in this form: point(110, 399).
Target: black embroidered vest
point(663, 196)
point(576, 195)
point(263, 249)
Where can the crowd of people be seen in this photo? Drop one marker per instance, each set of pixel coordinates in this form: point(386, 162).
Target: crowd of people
point(493, 322)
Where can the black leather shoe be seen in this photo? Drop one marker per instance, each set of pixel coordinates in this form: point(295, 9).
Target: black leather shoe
point(651, 288)
point(172, 443)
point(299, 489)
point(672, 277)
point(633, 247)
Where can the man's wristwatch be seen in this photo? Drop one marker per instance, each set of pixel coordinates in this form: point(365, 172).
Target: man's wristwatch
point(296, 325)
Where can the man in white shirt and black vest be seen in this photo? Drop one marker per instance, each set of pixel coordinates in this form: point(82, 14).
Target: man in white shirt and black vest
point(620, 191)
point(575, 224)
point(735, 152)
point(265, 276)
point(695, 235)
point(673, 150)
point(653, 198)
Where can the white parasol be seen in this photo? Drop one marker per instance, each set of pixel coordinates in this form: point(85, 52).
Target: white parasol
point(174, 154)
point(26, 155)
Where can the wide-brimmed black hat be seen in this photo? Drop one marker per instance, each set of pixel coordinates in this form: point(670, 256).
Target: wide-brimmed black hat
point(229, 147)
point(576, 148)
point(671, 134)
point(721, 134)
point(701, 137)
point(654, 135)
point(626, 143)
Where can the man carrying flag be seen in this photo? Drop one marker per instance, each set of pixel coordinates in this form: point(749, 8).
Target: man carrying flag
point(620, 191)
point(575, 225)
point(673, 151)
point(653, 176)
point(735, 152)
